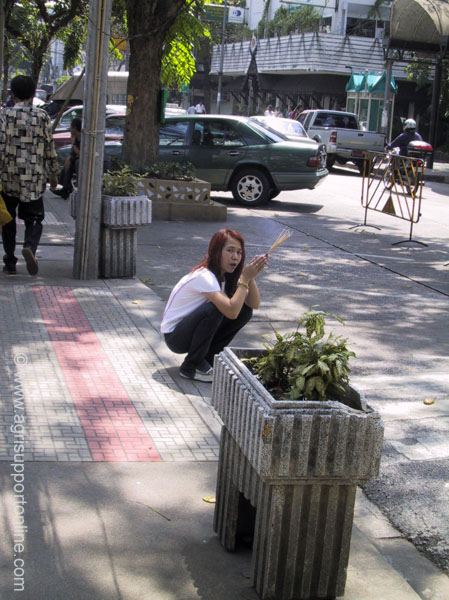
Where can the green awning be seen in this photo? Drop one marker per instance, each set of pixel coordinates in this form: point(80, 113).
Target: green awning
point(373, 83)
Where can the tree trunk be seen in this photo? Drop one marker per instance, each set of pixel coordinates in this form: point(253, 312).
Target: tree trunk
point(148, 24)
point(38, 58)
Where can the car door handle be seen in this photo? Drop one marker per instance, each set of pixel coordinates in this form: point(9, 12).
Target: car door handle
point(176, 152)
point(233, 153)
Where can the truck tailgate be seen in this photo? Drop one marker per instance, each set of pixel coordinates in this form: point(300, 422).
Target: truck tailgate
point(360, 141)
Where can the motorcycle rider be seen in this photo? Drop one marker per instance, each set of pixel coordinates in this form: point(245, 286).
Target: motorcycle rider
point(403, 140)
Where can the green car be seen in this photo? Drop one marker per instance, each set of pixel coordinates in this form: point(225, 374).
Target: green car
point(236, 154)
point(241, 155)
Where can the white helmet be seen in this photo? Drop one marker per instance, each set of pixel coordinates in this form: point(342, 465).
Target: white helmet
point(409, 124)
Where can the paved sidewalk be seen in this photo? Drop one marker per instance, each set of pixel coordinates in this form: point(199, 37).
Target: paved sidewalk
point(120, 453)
point(439, 172)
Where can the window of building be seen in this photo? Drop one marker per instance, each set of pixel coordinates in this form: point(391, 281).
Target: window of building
point(361, 27)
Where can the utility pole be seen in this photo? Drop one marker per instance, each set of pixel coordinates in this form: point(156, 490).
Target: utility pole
point(88, 212)
point(435, 108)
point(220, 72)
point(386, 113)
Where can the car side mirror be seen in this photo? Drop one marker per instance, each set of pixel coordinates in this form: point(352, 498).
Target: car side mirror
point(317, 138)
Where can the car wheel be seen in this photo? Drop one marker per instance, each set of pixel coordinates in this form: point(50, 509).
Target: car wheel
point(274, 192)
point(251, 187)
point(330, 162)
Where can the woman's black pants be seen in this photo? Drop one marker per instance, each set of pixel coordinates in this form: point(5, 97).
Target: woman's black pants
point(204, 333)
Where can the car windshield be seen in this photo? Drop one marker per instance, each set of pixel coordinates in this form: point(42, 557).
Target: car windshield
point(269, 134)
point(334, 119)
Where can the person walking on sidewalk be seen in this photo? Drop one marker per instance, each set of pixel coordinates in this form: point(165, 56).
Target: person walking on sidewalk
point(209, 305)
point(26, 152)
point(200, 109)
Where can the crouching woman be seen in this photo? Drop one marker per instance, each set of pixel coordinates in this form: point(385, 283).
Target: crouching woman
point(209, 305)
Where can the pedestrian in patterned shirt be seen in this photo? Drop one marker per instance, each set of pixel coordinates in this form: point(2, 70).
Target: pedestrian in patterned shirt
point(26, 153)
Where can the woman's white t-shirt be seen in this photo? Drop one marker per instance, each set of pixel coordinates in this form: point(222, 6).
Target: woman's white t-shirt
point(187, 295)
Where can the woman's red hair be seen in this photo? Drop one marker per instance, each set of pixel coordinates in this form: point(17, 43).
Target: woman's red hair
point(212, 260)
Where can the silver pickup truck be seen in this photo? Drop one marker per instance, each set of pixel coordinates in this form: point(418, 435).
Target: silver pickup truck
point(345, 140)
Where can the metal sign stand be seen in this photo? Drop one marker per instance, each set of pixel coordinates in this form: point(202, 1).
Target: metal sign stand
point(392, 184)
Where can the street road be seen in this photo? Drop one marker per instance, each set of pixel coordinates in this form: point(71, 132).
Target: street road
point(394, 300)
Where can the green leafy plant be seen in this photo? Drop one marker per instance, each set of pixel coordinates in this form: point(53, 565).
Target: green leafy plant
point(169, 170)
point(122, 182)
point(304, 366)
point(285, 21)
point(158, 170)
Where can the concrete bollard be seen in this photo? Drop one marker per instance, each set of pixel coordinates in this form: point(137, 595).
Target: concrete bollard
point(298, 464)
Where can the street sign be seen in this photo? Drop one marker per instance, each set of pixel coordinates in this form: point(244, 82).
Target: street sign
point(214, 13)
point(235, 14)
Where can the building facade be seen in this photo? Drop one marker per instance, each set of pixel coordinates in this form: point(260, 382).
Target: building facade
point(311, 70)
point(339, 16)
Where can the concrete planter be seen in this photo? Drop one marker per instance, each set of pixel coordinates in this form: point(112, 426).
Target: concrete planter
point(298, 464)
point(121, 215)
point(182, 200)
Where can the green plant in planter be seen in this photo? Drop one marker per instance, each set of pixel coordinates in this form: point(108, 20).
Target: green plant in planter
point(169, 170)
point(122, 182)
point(159, 170)
point(304, 366)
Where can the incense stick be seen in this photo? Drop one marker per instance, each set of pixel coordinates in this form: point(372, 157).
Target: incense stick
point(285, 234)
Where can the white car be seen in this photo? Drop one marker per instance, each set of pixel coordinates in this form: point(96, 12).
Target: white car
point(292, 130)
point(76, 112)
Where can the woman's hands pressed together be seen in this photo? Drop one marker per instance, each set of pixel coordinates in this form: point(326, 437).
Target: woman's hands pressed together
point(253, 268)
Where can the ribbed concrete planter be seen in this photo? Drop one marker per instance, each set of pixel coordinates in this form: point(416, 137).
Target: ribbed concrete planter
point(298, 464)
point(121, 215)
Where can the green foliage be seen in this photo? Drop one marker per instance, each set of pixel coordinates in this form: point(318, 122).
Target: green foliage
point(121, 177)
point(235, 32)
point(419, 71)
point(123, 182)
point(74, 38)
point(304, 366)
point(285, 21)
point(178, 61)
point(62, 79)
point(34, 24)
point(169, 170)
point(119, 30)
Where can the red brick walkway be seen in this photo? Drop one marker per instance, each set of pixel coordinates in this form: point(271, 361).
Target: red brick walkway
point(114, 430)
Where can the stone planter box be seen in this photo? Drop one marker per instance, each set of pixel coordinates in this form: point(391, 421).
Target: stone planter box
point(298, 464)
point(182, 200)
